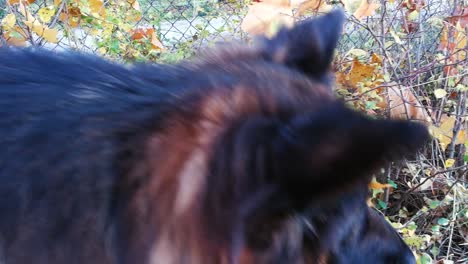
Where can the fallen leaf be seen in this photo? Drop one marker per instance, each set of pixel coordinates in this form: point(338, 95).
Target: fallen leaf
point(365, 9)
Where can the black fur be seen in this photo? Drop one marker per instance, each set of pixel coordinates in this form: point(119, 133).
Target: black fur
point(92, 155)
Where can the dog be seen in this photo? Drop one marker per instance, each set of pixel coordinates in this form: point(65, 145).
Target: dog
point(240, 155)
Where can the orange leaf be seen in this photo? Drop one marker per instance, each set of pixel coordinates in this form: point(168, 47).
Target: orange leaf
point(139, 34)
point(69, 19)
point(12, 2)
point(378, 185)
point(262, 15)
point(74, 11)
point(313, 5)
point(403, 104)
point(157, 43)
point(376, 59)
point(365, 9)
point(97, 7)
point(460, 16)
point(359, 73)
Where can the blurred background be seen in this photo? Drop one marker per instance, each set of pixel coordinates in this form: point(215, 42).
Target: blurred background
point(397, 58)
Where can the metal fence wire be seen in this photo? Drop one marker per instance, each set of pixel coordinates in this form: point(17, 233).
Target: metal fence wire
point(175, 22)
point(191, 24)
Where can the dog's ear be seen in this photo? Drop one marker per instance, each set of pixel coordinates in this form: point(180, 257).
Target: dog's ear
point(309, 46)
point(325, 152)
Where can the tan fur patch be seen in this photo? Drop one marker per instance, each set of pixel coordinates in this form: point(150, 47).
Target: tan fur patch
point(191, 180)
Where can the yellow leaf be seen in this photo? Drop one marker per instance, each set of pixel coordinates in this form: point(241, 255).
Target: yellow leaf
point(107, 29)
point(358, 53)
point(43, 31)
point(97, 7)
point(461, 42)
point(449, 163)
point(444, 133)
point(46, 13)
point(439, 93)
point(365, 9)
point(25, 12)
point(15, 36)
point(8, 22)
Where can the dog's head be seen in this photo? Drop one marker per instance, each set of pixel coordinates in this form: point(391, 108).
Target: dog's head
point(264, 165)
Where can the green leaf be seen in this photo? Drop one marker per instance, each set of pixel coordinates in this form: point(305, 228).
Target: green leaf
point(443, 221)
point(435, 251)
point(393, 184)
point(433, 204)
point(371, 105)
point(435, 229)
point(412, 226)
point(425, 259)
point(465, 158)
point(382, 204)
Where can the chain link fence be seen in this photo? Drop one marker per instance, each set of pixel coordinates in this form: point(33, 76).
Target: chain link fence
point(191, 24)
point(175, 22)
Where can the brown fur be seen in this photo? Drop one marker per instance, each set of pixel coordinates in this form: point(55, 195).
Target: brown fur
point(241, 156)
